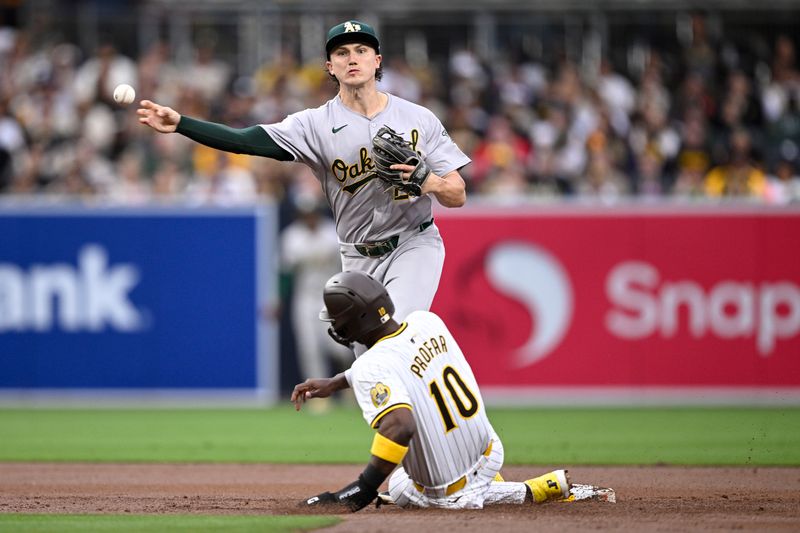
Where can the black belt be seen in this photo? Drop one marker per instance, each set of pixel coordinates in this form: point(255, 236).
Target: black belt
point(379, 248)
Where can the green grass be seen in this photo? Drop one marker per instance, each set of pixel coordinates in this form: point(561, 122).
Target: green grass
point(687, 436)
point(277, 435)
point(34, 523)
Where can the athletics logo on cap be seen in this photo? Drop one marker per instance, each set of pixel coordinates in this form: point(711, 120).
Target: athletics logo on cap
point(351, 31)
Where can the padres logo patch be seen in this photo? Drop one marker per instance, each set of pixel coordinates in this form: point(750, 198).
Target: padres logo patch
point(380, 394)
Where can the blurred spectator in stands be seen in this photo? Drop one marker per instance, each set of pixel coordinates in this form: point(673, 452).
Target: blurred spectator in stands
point(648, 175)
point(272, 178)
point(518, 86)
point(159, 78)
point(784, 84)
point(469, 79)
point(693, 159)
point(47, 112)
point(12, 144)
point(652, 91)
point(72, 184)
point(399, 79)
point(739, 176)
point(693, 94)
point(130, 187)
point(652, 132)
point(169, 183)
point(558, 157)
point(27, 181)
point(206, 73)
point(97, 77)
point(237, 110)
point(93, 88)
point(606, 139)
point(780, 100)
point(602, 179)
point(738, 109)
point(783, 185)
point(95, 167)
point(283, 86)
point(618, 95)
point(508, 184)
point(227, 181)
point(500, 149)
point(699, 54)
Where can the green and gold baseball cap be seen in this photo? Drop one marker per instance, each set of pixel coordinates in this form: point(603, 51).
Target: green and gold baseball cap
point(352, 31)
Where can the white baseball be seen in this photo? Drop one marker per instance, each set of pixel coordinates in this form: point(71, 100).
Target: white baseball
point(124, 94)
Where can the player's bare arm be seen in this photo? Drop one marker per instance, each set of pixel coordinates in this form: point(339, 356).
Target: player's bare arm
point(317, 388)
point(449, 190)
point(388, 449)
point(399, 427)
point(161, 118)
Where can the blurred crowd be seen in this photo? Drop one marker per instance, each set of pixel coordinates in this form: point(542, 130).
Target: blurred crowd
point(690, 121)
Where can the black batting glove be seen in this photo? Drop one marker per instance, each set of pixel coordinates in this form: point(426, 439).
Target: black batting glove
point(325, 498)
point(357, 495)
point(353, 497)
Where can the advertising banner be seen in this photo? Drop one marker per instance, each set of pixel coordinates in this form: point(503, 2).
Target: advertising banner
point(165, 299)
point(625, 300)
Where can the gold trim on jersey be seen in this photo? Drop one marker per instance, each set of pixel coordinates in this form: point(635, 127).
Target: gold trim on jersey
point(387, 449)
point(377, 420)
point(400, 330)
point(461, 482)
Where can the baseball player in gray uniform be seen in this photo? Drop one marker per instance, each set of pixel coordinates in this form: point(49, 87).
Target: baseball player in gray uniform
point(415, 387)
point(382, 230)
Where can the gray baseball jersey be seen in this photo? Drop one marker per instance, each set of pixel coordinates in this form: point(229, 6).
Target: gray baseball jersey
point(335, 142)
point(422, 368)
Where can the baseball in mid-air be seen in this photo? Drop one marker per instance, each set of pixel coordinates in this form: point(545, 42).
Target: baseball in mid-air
point(124, 94)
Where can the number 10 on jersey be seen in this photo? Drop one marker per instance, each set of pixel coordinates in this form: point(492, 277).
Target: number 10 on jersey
point(461, 396)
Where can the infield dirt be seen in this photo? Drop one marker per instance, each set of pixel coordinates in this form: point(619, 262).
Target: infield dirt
point(661, 498)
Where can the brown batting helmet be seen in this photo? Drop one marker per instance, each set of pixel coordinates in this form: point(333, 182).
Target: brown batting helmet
point(355, 305)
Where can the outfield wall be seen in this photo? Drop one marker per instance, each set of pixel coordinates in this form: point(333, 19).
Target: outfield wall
point(626, 304)
point(553, 304)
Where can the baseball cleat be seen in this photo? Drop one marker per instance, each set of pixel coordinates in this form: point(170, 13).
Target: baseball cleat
point(578, 492)
point(548, 487)
point(384, 498)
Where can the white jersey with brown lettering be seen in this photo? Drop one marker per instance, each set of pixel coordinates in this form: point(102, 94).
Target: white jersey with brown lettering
point(336, 143)
point(421, 367)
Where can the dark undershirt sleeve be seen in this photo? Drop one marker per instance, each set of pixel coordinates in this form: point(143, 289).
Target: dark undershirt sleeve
point(251, 141)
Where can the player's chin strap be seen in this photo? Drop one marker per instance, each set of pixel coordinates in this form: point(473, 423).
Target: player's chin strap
point(364, 490)
point(346, 342)
point(338, 338)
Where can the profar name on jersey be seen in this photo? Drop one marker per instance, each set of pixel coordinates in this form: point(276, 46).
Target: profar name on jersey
point(429, 349)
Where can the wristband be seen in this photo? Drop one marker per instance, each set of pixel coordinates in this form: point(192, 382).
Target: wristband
point(387, 449)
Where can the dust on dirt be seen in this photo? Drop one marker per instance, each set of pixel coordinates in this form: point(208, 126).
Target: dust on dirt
point(660, 498)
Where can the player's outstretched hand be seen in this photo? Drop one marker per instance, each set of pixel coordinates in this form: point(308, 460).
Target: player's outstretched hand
point(161, 118)
point(312, 388)
point(353, 497)
point(326, 498)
